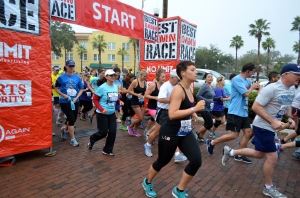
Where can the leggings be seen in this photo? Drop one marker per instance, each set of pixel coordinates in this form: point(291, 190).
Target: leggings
point(127, 110)
point(71, 114)
point(87, 105)
point(208, 121)
point(188, 146)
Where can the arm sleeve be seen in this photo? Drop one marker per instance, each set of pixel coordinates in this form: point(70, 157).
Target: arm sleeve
point(96, 100)
point(218, 95)
point(265, 96)
point(57, 83)
point(239, 85)
point(201, 92)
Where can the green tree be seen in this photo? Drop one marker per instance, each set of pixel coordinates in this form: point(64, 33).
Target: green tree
point(81, 50)
point(296, 27)
point(236, 42)
point(99, 44)
point(279, 65)
point(122, 52)
point(296, 47)
point(259, 29)
point(62, 36)
point(135, 44)
point(268, 45)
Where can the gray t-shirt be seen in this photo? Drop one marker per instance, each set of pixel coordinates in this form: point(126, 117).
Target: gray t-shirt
point(207, 94)
point(276, 99)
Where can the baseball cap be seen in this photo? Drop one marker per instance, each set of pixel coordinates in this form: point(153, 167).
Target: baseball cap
point(87, 74)
point(290, 67)
point(109, 72)
point(55, 67)
point(70, 63)
point(174, 73)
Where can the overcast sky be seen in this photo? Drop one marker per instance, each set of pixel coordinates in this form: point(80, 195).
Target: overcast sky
point(218, 20)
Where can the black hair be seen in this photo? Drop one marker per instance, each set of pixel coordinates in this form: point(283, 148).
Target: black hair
point(248, 67)
point(272, 74)
point(117, 69)
point(182, 66)
point(205, 75)
point(101, 81)
point(232, 76)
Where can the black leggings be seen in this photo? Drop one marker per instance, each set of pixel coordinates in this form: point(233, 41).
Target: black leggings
point(87, 105)
point(127, 110)
point(71, 114)
point(208, 120)
point(188, 146)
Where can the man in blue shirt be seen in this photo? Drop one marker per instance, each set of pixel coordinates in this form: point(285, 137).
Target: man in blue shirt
point(237, 118)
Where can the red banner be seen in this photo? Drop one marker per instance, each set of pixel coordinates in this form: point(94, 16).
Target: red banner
point(106, 15)
point(25, 88)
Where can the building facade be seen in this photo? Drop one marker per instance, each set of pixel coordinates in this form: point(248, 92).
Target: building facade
point(91, 58)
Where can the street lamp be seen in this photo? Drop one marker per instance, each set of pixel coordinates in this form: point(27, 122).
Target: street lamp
point(218, 66)
point(205, 66)
point(156, 11)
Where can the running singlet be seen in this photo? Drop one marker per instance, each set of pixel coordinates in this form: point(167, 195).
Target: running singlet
point(135, 100)
point(152, 104)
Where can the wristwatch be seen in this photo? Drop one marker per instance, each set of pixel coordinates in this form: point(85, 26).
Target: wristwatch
point(290, 117)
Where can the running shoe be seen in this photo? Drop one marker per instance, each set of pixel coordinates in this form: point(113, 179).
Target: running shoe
point(108, 154)
point(148, 151)
point(74, 142)
point(136, 134)
point(142, 126)
point(243, 159)
point(82, 118)
point(123, 128)
point(179, 158)
point(209, 147)
point(149, 189)
point(90, 146)
point(57, 122)
point(118, 120)
point(273, 192)
point(226, 155)
point(279, 149)
point(198, 138)
point(130, 131)
point(213, 135)
point(178, 194)
point(90, 118)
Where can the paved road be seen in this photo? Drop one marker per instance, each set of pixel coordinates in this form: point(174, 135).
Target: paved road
point(77, 172)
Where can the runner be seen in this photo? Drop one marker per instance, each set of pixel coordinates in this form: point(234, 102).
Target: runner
point(55, 95)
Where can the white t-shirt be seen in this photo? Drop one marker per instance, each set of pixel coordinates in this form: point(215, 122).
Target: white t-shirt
point(165, 92)
point(276, 99)
point(296, 101)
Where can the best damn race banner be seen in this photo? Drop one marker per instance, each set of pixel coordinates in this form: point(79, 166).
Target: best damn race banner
point(25, 84)
point(107, 15)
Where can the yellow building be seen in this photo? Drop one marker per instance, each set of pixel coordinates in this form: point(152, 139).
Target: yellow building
point(108, 58)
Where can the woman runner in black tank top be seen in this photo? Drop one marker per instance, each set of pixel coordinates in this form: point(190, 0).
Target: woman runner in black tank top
point(151, 94)
point(137, 90)
point(177, 131)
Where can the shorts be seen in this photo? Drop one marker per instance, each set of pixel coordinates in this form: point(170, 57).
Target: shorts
point(264, 140)
point(162, 115)
point(55, 100)
point(236, 123)
point(218, 114)
point(137, 105)
point(152, 112)
point(117, 106)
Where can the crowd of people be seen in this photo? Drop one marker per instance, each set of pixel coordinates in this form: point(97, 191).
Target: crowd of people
point(114, 96)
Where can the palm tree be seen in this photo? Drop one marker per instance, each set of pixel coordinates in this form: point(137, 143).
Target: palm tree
point(296, 27)
point(267, 45)
point(122, 52)
point(236, 42)
point(296, 47)
point(81, 50)
point(258, 30)
point(99, 44)
point(135, 44)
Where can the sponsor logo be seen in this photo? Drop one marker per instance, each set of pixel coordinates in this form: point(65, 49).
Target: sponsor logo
point(17, 53)
point(22, 16)
point(150, 27)
point(13, 133)
point(64, 9)
point(15, 93)
point(188, 42)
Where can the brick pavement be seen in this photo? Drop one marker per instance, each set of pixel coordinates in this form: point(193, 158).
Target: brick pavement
point(77, 172)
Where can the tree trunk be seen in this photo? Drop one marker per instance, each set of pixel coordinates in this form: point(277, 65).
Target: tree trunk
point(268, 61)
point(81, 61)
point(100, 67)
point(299, 50)
point(122, 62)
point(134, 52)
point(235, 59)
point(165, 8)
point(65, 55)
point(258, 62)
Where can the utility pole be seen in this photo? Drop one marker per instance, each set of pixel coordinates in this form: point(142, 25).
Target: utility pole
point(165, 8)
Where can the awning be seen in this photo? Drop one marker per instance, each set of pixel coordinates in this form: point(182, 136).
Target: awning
point(103, 65)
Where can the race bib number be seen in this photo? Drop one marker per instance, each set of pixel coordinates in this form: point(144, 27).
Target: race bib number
point(185, 127)
point(112, 98)
point(71, 92)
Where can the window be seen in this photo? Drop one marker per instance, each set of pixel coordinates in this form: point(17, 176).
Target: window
point(200, 75)
point(84, 57)
point(83, 43)
point(111, 45)
point(125, 46)
point(69, 56)
point(96, 57)
point(127, 58)
point(55, 57)
point(111, 57)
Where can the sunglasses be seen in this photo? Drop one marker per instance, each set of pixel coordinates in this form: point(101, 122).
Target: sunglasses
point(112, 75)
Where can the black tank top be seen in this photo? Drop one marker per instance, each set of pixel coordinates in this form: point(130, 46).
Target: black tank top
point(138, 90)
point(152, 104)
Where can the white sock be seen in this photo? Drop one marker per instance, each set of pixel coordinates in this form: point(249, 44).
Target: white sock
point(56, 112)
point(268, 187)
point(149, 145)
point(177, 153)
point(231, 153)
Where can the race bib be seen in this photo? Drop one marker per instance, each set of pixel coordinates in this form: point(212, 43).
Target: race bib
point(141, 100)
point(185, 127)
point(71, 92)
point(129, 97)
point(282, 111)
point(112, 98)
point(246, 104)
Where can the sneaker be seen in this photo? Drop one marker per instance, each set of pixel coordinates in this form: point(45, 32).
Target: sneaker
point(118, 120)
point(82, 118)
point(60, 120)
point(90, 146)
point(199, 139)
point(53, 133)
point(130, 131)
point(148, 151)
point(142, 126)
point(108, 154)
point(242, 159)
point(178, 194)
point(147, 137)
point(279, 149)
point(74, 142)
point(226, 155)
point(273, 192)
point(90, 118)
point(63, 132)
point(179, 158)
point(213, 135)
point(145, 132)
point(128, 121)
point(136, 134)
point(123, 128)
point(57, 122)
point(209, 147)
point(148, 189)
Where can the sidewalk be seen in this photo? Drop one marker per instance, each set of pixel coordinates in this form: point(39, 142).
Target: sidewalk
point(77, 172)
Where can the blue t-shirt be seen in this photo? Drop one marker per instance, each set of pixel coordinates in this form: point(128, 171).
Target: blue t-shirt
point(87, 94)
point(218, 104)
point(108, 97)
point(227, 90)
point(238, 102)
point(94, 82)
point(118, 82)
point(69, 85)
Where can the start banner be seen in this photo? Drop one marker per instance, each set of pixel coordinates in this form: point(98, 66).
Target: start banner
point(25, 85)
point(107, 15)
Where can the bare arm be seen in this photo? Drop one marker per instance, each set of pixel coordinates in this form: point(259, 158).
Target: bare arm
point(164, 100)
point(150, 89)
point(131, 87)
